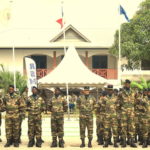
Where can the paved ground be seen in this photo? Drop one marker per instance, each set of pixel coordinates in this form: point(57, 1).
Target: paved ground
point(72, 138)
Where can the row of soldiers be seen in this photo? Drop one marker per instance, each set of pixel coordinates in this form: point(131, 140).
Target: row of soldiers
point(125, 115)
point(119, 115)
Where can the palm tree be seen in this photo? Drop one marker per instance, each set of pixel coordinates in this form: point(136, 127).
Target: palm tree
point(143, 84)
point(6, 78)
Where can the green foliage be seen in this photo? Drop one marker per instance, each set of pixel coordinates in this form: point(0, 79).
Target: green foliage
point(6, 78)
point(143, 84)
point(135, 38)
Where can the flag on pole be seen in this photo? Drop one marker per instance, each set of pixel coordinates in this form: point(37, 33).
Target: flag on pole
point(123, 12)
point(31, 74)
point(61, 20)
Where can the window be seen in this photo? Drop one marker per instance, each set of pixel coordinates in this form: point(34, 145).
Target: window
point(99, 62)
point(41, 61)
point(145, 65)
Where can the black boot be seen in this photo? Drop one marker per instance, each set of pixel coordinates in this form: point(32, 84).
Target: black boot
point(144, 143)
point(110, 142)
point(132, 144)
point(83, 142)
point(31, 143)
point(128, 141)
point(54, 142)
point(61, 143)
point(135, 139)
point(101, 141)
point(115, 142)
point(42, 140)
point(90, 143)
point(124, 144)
point(106, 143)
point(16, 143)
point(8, 144)
point(141, 141)
point(38, 143)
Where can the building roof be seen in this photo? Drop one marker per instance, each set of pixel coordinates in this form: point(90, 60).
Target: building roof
point(30, 38)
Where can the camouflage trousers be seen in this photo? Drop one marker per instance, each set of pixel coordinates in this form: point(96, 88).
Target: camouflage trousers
point(99, 124)
point(20, 124)
point(57, 125)
point(12, 126)
point(86, 121)
point(144, 126)
point(34, 126)
point(128, 124)
point(110, 124)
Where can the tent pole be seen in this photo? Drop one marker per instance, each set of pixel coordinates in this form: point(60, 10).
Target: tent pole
point(67, 87)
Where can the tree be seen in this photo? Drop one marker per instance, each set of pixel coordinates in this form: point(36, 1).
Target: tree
point(143, 84)
point(135, 38)
point(6, 78)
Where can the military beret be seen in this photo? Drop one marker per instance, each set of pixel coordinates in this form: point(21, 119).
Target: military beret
point(145, 90)
point(57, 88)
point(110, 87)
point(127, 81)
point(11, 86)
point(86, 88)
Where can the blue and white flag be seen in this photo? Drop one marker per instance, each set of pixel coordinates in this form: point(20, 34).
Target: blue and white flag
point(123, 12)
point(31, 74)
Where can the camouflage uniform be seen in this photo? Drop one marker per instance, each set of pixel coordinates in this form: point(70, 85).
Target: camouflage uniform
point(58, 106)
point(143, 109)
point(127, 102)
point(86, 107)
point(138, 127)
point(22, 116)
point(100, 111)
point(110, 103)
point(35, 106)
point(14, 106)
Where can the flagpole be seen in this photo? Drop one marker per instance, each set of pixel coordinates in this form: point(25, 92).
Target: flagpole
point(14, 66)
point(64, 36)
point(119, 54)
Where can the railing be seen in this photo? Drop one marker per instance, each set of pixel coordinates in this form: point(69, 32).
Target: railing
point(105, 73)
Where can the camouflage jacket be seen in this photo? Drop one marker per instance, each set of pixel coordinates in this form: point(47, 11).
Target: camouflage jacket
point(58, 105)
point(142, 105)
point(127, 100)
point(13, 104)
point(110, 104)
point(25, 96)
point(35, 105)
point(99, 108)
point(86, 106)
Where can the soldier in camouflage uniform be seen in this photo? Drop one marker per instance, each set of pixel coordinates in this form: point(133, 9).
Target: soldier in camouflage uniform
point(127, 104)
point(13, 105)
point(110, 103)
point(86, 104)
point(22, 116)
point(57, 106)
point(143, 119)
point(148, 98)
point(100, 111)
point(35, 107)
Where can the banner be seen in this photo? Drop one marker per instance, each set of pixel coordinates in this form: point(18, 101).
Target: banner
point(31, 74)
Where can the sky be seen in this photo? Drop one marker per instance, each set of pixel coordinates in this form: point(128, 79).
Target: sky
point(96, 19)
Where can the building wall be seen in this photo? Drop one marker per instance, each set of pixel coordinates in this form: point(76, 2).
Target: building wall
point(6, 57)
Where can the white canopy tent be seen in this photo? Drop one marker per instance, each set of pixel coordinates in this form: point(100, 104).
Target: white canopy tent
point(71, 71)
